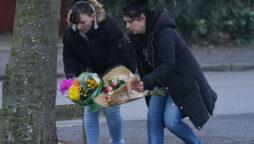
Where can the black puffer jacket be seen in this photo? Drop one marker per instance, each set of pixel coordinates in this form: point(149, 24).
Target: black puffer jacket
point(105, 48)
point(173, 66)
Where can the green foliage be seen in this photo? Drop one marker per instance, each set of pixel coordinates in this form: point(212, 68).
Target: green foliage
point(217, 21)
point(203, 21)
point(114, 8)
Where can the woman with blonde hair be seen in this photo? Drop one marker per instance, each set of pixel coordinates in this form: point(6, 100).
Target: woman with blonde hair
point(94, 42)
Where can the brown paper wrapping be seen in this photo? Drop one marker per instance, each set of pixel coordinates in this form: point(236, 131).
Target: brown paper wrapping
point(124, 93)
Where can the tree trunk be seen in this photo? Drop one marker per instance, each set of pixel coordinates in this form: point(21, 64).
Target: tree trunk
point(29, 86)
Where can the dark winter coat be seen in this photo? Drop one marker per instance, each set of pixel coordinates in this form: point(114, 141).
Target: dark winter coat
point(105, 48)
point(173, 66)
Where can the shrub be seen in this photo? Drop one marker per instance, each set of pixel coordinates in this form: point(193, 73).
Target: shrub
point(203, 21)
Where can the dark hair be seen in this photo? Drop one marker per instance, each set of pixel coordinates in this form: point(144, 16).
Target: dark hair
point(79, 7)
point(74, 1)
point(134, 8)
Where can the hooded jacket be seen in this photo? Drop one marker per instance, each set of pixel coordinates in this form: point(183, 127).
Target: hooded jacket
point(173, 66)
point(101, 49)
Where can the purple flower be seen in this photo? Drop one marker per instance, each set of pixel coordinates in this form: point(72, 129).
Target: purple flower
point(65, 84)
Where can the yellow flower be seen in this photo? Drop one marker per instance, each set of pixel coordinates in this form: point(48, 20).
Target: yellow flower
point(95, 84)
point(92, 82)
point(92, 87)
point(74, 92)
point(88, 80)
point(89, 85)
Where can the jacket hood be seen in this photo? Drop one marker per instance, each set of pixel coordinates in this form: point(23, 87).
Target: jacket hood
point(99, 11)
point(159, 20)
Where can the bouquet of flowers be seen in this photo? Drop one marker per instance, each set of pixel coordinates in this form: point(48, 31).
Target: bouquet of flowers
point(118, 88)
point(113, 84)
point(83, 89)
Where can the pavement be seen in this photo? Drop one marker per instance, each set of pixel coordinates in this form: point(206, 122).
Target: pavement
point(223, 128)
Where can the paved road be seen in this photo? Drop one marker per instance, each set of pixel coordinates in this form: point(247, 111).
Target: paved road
point(222, 129)
point(235, 91)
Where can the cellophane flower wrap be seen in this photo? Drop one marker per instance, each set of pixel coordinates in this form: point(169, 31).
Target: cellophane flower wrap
point(123, 93)
point(83, 89)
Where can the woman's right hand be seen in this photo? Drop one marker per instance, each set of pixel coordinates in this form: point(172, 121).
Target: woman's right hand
point(138, 86)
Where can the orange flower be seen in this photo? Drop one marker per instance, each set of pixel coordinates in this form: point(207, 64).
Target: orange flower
point(76, 83)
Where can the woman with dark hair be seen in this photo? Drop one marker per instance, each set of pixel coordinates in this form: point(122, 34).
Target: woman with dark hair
point(164, 60)
point(94, 42)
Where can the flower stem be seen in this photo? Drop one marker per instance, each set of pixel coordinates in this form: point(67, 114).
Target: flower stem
point(158, 92)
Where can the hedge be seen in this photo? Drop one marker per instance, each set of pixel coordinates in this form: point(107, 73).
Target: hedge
point(203, 22)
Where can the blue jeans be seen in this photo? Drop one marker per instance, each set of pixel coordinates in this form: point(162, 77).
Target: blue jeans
point(114, 121)
point(163, 109)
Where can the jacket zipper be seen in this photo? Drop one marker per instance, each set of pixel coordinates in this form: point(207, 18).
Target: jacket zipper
point(153, 65)
point(136, 57)
point(152, 51)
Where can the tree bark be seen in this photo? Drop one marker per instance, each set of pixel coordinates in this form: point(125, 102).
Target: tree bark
point(29, 86)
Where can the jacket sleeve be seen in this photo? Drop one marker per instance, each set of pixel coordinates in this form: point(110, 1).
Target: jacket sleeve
point(164, 46)
point(117, 48)
point(72, 66)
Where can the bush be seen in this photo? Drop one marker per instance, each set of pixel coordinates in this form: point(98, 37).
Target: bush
point(204, 21)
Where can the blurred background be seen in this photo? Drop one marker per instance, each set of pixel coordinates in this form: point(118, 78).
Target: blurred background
point(200, 22)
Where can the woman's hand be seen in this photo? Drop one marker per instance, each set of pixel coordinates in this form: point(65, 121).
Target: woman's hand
point(138, 86)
